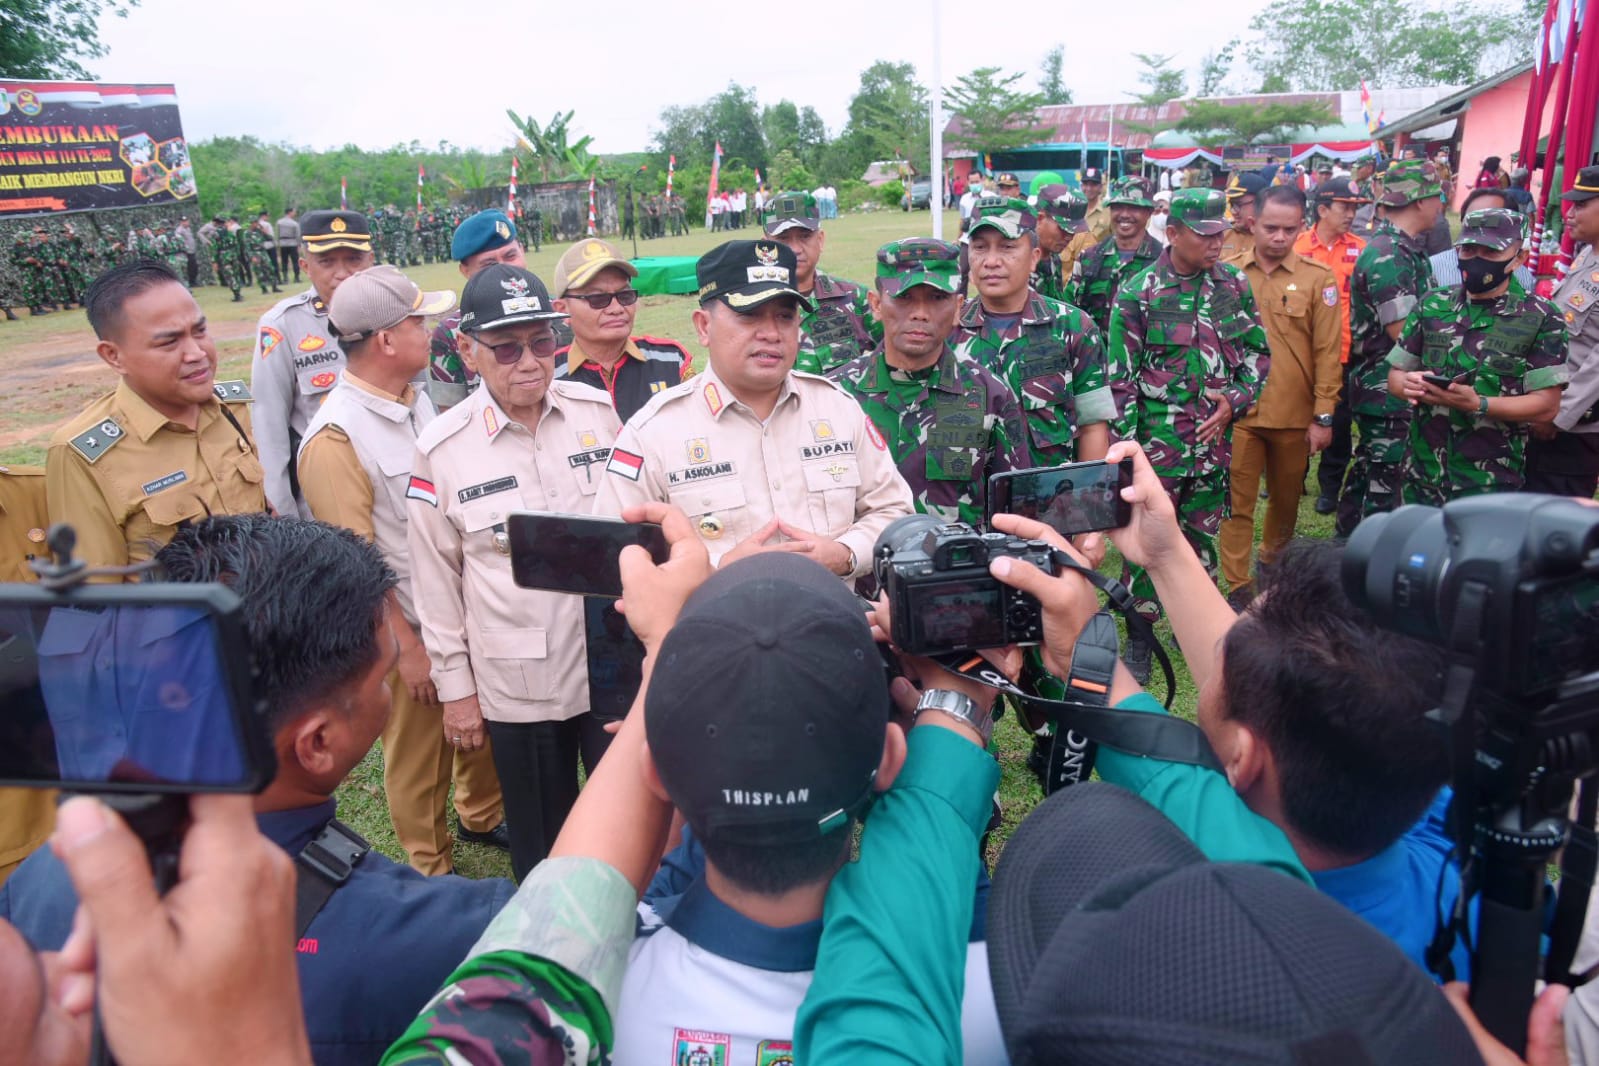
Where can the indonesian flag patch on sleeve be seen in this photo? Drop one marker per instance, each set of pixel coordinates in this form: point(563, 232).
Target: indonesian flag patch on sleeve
point(420, 489)
point(625, 464)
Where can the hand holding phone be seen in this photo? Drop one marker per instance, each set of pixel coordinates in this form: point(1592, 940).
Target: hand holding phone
point(1071, 499)
point(576, 554)
point(1440, 382)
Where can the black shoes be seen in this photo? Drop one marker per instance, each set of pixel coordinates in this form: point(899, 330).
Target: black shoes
point(498, 837)
point(1326, 505)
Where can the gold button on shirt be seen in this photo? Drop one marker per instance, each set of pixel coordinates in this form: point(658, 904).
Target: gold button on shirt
point(126, 478)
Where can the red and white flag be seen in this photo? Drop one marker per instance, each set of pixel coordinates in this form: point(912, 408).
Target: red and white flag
point(510, 200)
point(344, 195)
point(591, 207)
point(671, 167)
point(420, 177)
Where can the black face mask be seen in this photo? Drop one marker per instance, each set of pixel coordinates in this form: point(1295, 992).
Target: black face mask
point(1483, 275)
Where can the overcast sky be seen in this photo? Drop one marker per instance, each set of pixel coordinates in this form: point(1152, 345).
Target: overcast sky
point(329, 72)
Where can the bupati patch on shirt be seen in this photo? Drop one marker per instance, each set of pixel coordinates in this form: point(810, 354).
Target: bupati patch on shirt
point(487, 488)
point(697, 1047)
point(422, 489)
point(822, 451)
point(707, 472)
point(625, 464)
point(177, 477)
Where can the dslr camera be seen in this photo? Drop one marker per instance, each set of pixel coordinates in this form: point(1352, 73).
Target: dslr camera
point(940, 593)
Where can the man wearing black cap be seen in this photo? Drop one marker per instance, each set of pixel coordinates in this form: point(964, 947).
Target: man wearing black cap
point(759, 458)
point(1241, 192)
point(771, 778)
point(840, 327)
point(1098, 215)
point(482, 240)
point(297, 359)
point(1563, 457)
point(508, 657)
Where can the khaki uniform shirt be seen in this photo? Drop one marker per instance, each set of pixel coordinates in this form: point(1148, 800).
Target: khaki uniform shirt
point(521, 651)
point(1235, 244)
point(817, 463)
point(1298, 305)
point(296, 362)
point(1574, 299)
point(27, 815)
point(1075, 247)
point(125, 478)
point(1098, 219)
point(355, 467)
point(23, 521)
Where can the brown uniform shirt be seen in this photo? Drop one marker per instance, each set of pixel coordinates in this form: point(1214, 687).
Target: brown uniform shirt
point(126, 478)
point(816, 462)
point(27, 815)
point(1235, 245)
point(1298, 304)
point(1075, 247)
point(1098, 219)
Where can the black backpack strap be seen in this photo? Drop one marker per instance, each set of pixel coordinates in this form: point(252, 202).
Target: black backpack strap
point(1577, 871)
point(321, 867)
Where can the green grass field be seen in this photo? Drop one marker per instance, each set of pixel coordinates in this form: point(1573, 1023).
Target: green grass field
point(852, 242)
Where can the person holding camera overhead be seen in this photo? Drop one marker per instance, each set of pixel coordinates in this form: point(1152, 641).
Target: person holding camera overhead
point(949, 423)
point(509, 664)
point(760, 458)
point(1479, 363)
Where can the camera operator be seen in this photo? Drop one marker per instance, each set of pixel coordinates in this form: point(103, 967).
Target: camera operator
point(1315, 713)
point(1503, 352)
point(315, 608)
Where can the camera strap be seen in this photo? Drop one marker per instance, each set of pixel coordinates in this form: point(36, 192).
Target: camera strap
point(1578, 864)
point(1121, 600)
point(321, 867)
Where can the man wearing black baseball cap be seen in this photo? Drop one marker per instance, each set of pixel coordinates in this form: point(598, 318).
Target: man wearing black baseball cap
point(509, 664)
point(297, 358)
point(771, 777)
point(1563, 457)
point(760, 459)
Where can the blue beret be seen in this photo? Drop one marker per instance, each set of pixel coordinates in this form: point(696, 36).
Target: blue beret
point(484, 230)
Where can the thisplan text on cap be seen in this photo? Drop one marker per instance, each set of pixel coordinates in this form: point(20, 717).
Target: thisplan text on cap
point(738, 797)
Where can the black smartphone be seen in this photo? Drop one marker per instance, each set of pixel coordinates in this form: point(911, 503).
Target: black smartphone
point(1442, 382)
point(1070, 499)
point(129, 688)
point(576, 553)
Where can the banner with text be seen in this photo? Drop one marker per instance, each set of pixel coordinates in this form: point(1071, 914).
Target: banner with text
point(83, 146)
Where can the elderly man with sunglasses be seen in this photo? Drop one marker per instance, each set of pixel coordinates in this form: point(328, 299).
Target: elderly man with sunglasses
point(594, 287)
point(509, 663)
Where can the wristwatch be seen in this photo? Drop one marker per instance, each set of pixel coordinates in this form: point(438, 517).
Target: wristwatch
point(960, 707)
point(1324, 421)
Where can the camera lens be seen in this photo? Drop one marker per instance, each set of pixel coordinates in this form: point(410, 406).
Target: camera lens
point(1393, 567)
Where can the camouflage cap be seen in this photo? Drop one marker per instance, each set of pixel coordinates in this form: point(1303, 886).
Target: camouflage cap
point(1367, 160)
point(1063, 204)
point(1410, 180)
point(902, 265)
point(1129, 192)
point(1009, 214)
point(1492, 227)
point(1202, 210)
point(789, 209)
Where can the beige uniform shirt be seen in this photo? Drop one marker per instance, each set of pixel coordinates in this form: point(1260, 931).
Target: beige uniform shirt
point(1575, 299)
point(355, 468)
point(817, 463)
point(1298, 304)
point(125, 478)
point(27, 815)
point(1098, 219)
point(521, 651)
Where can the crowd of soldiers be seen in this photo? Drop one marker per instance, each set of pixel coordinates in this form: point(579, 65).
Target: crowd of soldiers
point(46, 264)
point(658, 215)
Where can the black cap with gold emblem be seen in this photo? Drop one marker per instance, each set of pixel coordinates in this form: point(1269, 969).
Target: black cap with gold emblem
point(1585, 188)
point(323, 231)
point(746, 274)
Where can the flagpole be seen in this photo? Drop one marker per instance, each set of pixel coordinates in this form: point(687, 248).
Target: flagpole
point(935, 114)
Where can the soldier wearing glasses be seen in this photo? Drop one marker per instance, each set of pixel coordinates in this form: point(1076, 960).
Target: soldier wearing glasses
point(509, 663)
point(594, 287)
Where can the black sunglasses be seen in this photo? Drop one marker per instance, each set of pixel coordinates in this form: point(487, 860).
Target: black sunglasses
point(509, 353)
point(599, 301)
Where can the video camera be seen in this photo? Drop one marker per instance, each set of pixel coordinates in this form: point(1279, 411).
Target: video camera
point(942, 598)
point(1508, 584)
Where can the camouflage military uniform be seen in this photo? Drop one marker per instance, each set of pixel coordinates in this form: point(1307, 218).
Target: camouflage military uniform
point(1100, 273)
point(1511, 345)
point(949, 428)
point(1053, 359)
point(1390, 276)
point(1048, 278)
point(263, 255)
point(840, 327)
point(28, 266)
point(225, 259)
point(1172, 338)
